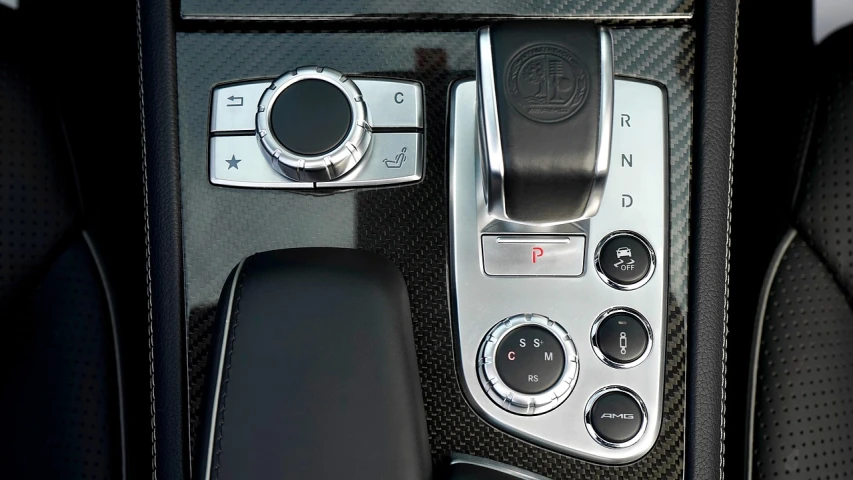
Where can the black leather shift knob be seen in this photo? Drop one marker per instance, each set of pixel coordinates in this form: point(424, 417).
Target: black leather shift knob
point(546, 102)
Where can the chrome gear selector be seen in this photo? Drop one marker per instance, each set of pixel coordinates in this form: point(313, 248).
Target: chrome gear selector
point(313, 124)
point(546, 116)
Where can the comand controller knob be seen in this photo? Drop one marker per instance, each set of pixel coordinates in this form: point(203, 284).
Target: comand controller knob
point(312, 124)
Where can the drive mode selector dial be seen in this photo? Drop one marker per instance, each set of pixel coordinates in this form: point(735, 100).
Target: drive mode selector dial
point(313, 125)
point(528, 364)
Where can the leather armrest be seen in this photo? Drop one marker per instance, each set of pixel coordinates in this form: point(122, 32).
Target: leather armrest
point(314, 372)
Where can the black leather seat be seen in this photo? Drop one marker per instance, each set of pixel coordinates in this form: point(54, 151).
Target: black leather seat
point(802, 380)
point(60, 389)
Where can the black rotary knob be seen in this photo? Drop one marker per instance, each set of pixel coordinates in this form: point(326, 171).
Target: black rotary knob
point(311, 117)
point(313, 124)
point(528, 364)
point(530, 359)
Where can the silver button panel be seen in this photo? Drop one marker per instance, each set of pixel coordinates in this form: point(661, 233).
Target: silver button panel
point(392, 157)
point(531, 255)
point(238, 161)
point(392, 103)
point(233, 107)
point(635, 199)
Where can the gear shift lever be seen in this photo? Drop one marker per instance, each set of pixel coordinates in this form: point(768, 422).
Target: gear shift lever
point(546, 114)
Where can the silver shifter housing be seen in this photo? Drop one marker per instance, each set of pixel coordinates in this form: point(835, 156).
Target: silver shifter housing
point(519, 254)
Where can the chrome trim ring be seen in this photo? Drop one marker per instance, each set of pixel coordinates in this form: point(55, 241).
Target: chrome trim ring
point(627, 311)
point(605, 126)
point(612, 283)
point(324, 167)
point(503, 395)
point(587, 415)
point(489, 126)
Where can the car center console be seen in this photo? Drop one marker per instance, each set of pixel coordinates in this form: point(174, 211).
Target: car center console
point(550, 180)
point(563, 303)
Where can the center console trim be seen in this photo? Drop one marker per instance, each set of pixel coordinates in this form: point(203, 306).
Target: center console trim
point(501, 468)
point(176, 293)
point(417, 18)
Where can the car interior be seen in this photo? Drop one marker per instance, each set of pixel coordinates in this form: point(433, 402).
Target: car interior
point(427, 239)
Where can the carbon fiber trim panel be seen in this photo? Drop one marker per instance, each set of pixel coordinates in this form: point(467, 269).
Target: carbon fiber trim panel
point(408, 224)
point(434, 8)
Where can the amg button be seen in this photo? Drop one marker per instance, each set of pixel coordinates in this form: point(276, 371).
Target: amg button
point(616, 418)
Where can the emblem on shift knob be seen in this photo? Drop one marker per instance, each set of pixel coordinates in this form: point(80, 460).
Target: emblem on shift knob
point(546, 83)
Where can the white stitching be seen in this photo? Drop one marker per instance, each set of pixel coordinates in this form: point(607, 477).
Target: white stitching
point(147, 246)
point(728, 252)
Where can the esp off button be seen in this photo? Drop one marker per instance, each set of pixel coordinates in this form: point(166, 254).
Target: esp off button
point(615, 417)
point(624, 260)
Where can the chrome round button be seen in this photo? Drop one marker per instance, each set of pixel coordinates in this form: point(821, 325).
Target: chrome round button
point(313, 125)
point(616, 417)
point(527, 364)
point(624, 260)
point(621, 337)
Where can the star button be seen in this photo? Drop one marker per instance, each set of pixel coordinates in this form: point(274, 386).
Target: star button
point(232, 163)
